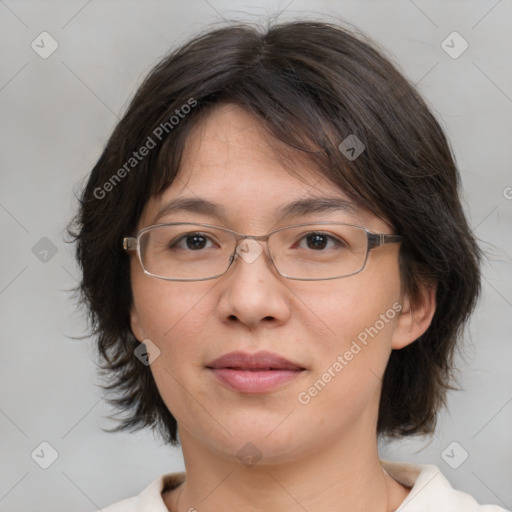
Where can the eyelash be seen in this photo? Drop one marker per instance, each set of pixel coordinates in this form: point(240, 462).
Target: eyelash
point(337, 241)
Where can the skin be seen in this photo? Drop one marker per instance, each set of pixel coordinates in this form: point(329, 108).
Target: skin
point(315, 457)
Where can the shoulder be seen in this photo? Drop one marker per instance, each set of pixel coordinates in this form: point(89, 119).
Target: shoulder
point(150, 498)
point(126, 505)
point(430, 490)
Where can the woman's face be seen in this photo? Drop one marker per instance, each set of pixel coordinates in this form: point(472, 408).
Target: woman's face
point(339, 332)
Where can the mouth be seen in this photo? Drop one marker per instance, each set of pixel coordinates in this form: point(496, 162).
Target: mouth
point(254, 373)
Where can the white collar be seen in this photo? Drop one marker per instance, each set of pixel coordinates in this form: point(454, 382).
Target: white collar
point(430, 491)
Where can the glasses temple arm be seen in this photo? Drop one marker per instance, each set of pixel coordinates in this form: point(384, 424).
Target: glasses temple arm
point(129, 243)
point(376, 239)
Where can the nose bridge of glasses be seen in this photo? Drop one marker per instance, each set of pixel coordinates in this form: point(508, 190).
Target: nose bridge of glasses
point(241, 236)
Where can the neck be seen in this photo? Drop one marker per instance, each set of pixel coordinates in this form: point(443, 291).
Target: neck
point(343, 476)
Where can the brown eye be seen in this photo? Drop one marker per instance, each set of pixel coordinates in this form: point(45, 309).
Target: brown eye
point(318, 241)
point(192, 241)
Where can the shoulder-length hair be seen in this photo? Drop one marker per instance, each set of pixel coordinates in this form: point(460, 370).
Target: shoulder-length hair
point(312, 85)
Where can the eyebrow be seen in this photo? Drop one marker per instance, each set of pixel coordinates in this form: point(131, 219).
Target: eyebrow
point(295, 208)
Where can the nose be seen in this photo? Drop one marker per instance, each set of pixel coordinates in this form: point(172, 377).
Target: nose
point(252, 292)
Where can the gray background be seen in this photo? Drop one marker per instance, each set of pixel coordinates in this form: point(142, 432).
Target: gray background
point(56, 115)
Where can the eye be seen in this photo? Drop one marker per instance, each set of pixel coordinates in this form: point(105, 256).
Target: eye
point(318, 241)
point(192, 241)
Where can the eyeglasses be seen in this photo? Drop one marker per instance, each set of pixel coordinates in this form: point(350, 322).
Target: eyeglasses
point(189, 251)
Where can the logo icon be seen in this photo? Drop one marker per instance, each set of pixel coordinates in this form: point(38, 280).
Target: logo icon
point(249, 250)
point(44, 455)
point(44, 250)
point(352, 147)
point(44, 45)
point(146, 352)
point(249, 455)
point(454, 45)
point(454, 455)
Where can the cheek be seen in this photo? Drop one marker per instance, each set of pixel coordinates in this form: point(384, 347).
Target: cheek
point(358, 317)
point(173, 316)
point(341, 310)
point(359, 337)
point(163, 308)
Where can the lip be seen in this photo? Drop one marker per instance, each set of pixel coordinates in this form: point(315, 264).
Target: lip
point(257, 361)
point(260, 372)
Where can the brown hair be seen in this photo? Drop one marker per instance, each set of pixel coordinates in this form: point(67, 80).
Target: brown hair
point(312, 85)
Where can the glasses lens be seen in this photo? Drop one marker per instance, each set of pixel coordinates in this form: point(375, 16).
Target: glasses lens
point(319, 251)
point(186, 251)
point(313, 251)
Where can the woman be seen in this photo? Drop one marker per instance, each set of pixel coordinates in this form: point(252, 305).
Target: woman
point(278, 269)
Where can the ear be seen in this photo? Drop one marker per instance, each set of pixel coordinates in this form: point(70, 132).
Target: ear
point(414, 320)
point(135, 324)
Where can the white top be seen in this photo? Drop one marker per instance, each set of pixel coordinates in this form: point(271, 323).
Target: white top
point(430, 492)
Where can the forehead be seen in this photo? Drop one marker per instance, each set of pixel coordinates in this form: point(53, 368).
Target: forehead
point(230, 143)
point(233, 170)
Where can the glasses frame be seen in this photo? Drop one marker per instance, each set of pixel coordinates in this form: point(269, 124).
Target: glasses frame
point(132, 243)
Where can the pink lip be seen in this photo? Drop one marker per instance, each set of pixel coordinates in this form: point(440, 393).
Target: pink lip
point(254, 373)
